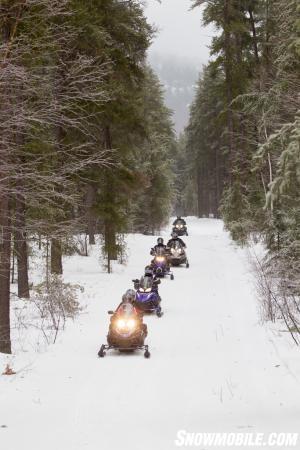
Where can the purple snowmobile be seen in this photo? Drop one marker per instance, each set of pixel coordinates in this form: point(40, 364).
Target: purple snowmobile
point(147, 298)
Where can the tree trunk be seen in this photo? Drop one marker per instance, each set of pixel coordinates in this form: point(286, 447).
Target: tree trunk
point(254, 35)
point(21, 243)
point(5, 253)
point(56, 257)
point(229, 81)
point(109, 224)
point(267, 44)
point(217, 183)
point(206, 195)
point(91, 222)
point(13, 251)
point(200, 193)
point(5, 213)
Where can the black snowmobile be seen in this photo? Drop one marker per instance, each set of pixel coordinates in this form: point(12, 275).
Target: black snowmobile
point(160, 263)
point(179, 227)
point(127, 332)
point(177, 255)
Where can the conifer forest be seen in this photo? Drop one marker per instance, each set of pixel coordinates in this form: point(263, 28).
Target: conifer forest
point(93, 173)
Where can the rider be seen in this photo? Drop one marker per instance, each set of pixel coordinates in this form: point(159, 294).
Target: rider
point(148, 273)
point(129, 296)
point(127, 299)
point(160, 245)
point(176, 238)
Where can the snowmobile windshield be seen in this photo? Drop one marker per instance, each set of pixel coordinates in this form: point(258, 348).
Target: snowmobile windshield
point(146, 283)
point(175, 244)
point(126, 310)
point(160, 251)
point(129, 296)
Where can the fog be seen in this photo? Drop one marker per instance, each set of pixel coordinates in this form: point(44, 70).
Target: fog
point(180, 31)
point(178, 52)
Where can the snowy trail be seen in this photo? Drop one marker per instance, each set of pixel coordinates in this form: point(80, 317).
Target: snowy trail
point(213, 366)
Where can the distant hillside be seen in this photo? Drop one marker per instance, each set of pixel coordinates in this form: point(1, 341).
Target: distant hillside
point(179, 77)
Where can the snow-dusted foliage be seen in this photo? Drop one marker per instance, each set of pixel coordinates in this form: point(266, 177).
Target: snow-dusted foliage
point(37, 322)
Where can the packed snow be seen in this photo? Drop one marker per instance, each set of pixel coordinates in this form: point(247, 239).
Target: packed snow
point(214, 366)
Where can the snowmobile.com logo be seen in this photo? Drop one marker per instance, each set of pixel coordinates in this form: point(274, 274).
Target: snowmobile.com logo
point(238, 440)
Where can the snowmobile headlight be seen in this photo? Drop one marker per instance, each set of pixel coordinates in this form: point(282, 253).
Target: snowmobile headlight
point(173, 251)
point(131, 324)
point(160, 258)
point(141, 290)
point(121, 323)
point(148, 290)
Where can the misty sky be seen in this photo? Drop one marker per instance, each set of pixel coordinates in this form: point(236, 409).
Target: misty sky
point(181, 33)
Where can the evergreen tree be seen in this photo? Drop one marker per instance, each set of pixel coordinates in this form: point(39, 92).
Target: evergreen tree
point(154, 155)
point(254, 75)
point(84, 133)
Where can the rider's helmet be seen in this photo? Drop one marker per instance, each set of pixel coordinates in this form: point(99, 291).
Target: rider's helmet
point(160, 241)
point(178, 218)
point(129, 296)
point(148, 271)
point(174, 235)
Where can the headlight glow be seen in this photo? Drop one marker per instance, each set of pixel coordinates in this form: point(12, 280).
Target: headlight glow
point(160, 258)
point(148, 290)
point(141, 290)
point(131, 323)
point(121, 323)
point(126, 324)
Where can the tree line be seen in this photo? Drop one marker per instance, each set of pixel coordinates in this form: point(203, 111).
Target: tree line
point(241, 146)
point(86, 142)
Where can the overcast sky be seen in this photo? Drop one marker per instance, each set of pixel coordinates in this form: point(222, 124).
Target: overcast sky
point(181, 33)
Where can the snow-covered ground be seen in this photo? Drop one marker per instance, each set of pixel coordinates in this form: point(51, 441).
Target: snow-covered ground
point(213, 366)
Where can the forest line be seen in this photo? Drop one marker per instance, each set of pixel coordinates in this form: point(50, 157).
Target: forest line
point(241, 149)
point(86, 138)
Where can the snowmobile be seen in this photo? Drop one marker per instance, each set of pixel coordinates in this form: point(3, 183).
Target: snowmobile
point(147, 298)
point(179, 227)
point(149, 272)
point(160, 264)
point(178, 255)
point(127, 332)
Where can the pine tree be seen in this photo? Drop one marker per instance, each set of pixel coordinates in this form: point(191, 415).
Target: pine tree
point(257, 57)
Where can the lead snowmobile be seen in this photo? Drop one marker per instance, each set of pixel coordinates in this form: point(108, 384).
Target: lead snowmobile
point(127, 332)
point(179, 227)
